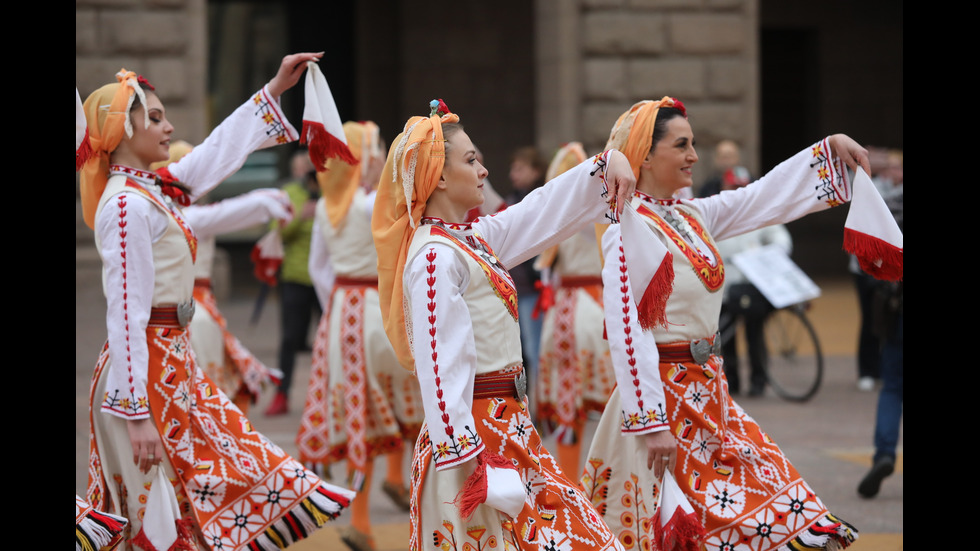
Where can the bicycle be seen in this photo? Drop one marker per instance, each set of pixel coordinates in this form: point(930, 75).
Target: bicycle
point(794, 360)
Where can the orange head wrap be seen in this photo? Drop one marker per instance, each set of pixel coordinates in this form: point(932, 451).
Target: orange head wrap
point(633, 132)
point(411, 172)
point(107, 115)
point(340, 180)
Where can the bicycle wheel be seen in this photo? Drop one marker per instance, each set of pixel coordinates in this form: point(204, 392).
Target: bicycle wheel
point(794, 364)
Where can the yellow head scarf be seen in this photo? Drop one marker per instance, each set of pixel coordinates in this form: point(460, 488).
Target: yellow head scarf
point(633, 132)
point(107, 116)
point(340, 180)
point(411, 172)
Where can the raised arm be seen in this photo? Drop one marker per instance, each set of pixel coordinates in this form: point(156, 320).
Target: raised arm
point(238, 213)
point(256, 124)
point(814, 179)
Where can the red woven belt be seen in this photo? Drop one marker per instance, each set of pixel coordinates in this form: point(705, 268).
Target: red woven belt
point(580, 281)
point(500, 384)
point(341, 281)
point(696, 351)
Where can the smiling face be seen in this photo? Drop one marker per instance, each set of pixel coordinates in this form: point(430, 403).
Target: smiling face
point(668, 166)
point(150, 144)
point(462, 175)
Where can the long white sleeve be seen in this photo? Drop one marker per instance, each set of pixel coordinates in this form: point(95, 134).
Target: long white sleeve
point(810, 181)
point(237, 213)
point(635, 359)
point(319, 265)
point(126, 228)
point(256, 124)
point(445, 353)
point(549, 214)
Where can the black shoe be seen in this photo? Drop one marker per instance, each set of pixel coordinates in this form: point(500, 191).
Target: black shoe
point(871, 483)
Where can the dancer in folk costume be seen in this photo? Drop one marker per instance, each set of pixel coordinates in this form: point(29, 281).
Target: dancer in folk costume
point(575, 373)
point(360, 402)
point(222, 357)
point(480, 478)
point(673, 409)
point(169, 450)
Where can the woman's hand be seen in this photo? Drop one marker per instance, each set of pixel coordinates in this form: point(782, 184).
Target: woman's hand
point(619, 179)
point(661, 452)
point(851, 152)
point(147, 447)
point(290, 70)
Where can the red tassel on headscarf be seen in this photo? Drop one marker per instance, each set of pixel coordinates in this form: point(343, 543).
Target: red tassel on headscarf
point(474, 492)
point(324, 145)
point(83, 153)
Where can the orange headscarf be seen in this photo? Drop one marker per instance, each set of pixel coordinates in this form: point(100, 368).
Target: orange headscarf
point(340, 180)
point(633, 132)
point(411, 172)
point(107, 115)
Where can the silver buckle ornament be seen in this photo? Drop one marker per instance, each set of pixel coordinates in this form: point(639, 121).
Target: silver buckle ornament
point(185, 312)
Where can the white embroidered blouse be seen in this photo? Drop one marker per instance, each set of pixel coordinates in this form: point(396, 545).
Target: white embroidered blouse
point(810, 181)
point(127, 230)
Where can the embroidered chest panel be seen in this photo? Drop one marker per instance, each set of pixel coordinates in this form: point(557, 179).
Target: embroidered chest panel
point(181, 223)
point(711, 275)
point(497, 276)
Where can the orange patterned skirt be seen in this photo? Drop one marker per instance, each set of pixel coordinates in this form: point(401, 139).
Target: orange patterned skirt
point(745, 491)
point(556, 514)
point(235, 488)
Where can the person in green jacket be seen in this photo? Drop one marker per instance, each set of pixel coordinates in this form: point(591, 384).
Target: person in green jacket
point(297, 298)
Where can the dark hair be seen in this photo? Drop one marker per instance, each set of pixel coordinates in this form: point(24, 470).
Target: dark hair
point(448, 129)
point(664, 115)
point(147, 88)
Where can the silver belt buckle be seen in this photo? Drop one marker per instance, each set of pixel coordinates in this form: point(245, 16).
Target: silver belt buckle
point(701, 350)
point(185, 312)
point(520, 384)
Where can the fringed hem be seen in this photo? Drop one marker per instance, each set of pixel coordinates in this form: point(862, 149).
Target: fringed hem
point(184, 541)
point(323, 145)
point(829, 532)
point(320, 507)
point(83, 153)
point(652, 309)
point(683, 532)
point(474, 491)
point(99, 531)
point(878, 258)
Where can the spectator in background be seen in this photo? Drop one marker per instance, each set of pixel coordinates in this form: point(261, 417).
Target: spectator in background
point(888, 325)
point(297, 298)
point(727, 156)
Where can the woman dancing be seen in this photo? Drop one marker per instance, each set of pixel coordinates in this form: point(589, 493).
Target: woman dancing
point(575, 375)
point(169, 450)
point(673, 405)
point(360, 403)
point(480, 478)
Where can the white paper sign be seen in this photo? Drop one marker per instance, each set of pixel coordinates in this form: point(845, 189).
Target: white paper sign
point(776, 276)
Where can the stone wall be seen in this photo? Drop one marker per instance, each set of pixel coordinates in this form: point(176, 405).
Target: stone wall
point(165, 40)
point(598, 57)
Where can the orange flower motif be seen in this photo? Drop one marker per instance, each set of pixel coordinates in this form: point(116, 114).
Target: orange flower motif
point(818, 150)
